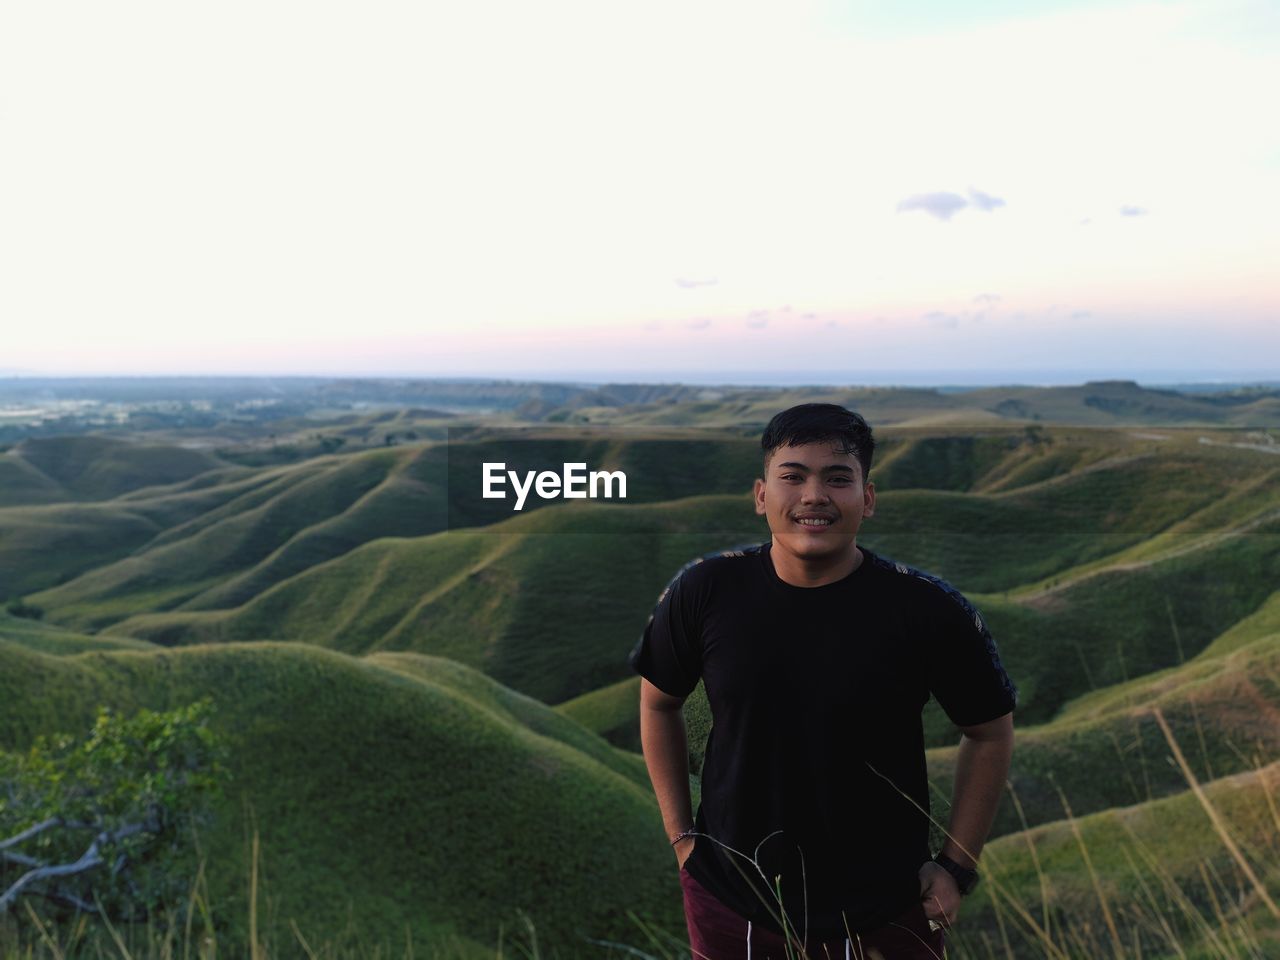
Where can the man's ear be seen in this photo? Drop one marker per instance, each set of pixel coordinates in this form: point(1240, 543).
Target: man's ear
point(758, 491)
point(869, 499)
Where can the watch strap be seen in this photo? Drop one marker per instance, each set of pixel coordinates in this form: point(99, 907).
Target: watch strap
point(966, 877)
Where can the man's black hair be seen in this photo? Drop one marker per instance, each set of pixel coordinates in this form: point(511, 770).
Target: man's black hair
point(820, 423)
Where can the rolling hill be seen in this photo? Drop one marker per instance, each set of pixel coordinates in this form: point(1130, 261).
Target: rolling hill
point(386, 647)
point(358, 772)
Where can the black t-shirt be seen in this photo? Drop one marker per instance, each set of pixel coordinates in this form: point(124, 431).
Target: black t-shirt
point(816, 696)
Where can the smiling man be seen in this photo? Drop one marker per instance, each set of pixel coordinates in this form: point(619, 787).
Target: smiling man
point(818, 657)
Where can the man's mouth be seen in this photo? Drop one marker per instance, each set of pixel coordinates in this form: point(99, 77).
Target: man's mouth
point(816, 523)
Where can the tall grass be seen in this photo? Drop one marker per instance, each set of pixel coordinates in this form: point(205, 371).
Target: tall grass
point(1156, 914)
point(1222, 914)
point(193, 934)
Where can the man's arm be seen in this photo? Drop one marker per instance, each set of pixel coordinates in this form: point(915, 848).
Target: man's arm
point(982, 767)
point(666, 753)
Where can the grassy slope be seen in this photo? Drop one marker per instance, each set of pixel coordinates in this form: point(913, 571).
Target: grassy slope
point(93, 468)
point(21, 483)
point(184, 560)
point(1169, 843)
point(48, 638)
point(41, 546)
point(307, 513)
point(609, 711)
point(1114, 601)
point(512, 599)
point(298, 516)
point(413, 789)
point(1262, 622)
point(412, 740)
point(1223, 710)
point(410, 594)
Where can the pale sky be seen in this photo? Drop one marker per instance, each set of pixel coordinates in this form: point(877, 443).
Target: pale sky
point(656, 189)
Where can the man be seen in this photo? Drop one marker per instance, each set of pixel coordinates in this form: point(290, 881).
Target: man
point(817, 657)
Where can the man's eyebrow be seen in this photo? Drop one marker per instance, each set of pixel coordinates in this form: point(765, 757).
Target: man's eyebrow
point(833, 468)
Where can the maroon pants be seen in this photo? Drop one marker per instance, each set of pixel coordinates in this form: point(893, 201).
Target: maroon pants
point(717, 933)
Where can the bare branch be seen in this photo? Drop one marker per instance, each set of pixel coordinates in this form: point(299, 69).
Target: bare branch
point(44, 825)
point(70, 899)
point(88, 860)
point(20, 858)
point(30, 832)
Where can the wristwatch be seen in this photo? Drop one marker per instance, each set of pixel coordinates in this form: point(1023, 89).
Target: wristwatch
point(966, 878)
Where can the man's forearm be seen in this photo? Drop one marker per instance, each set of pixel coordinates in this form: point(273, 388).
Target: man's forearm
point(666, 754)
point(982, 768)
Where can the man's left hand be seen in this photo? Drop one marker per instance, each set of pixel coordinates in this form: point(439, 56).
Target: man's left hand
point(939, 893)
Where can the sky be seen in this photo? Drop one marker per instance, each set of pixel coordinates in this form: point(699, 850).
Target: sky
point(811, 191)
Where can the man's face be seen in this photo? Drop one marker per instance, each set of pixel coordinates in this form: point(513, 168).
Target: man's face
point(814, 500)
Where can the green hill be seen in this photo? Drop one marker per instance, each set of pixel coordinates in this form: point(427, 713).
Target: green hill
point(1106, 750)
point(181, 561)
point(527, 601)
point(610, 712)
point(513, 599)
point(41, 546)
point(423, 737)
point(20, 482)
point(399, 792)
point(297, 516)
point(1119, 570)
point(48, 638)
point(43, 469)
point(1168, 880)
point(260, 528)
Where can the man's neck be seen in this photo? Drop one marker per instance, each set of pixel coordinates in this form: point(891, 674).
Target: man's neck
point(814, 573)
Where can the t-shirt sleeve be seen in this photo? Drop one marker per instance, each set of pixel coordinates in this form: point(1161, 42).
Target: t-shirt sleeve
point(964, 669)
point(669, 653)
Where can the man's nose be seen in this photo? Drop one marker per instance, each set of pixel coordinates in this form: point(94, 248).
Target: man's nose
point(813, 492)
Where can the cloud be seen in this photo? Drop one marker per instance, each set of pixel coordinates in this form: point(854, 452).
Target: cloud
point(689, 284)
point(758, 319)
point(984, 201)
point(1128, 210)
point(700, 324)
point(944, 204)
point(952, 319)
point(1081, 315)
point(940, 205)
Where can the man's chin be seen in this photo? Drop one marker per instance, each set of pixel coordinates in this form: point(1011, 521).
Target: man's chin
point(815, 546)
